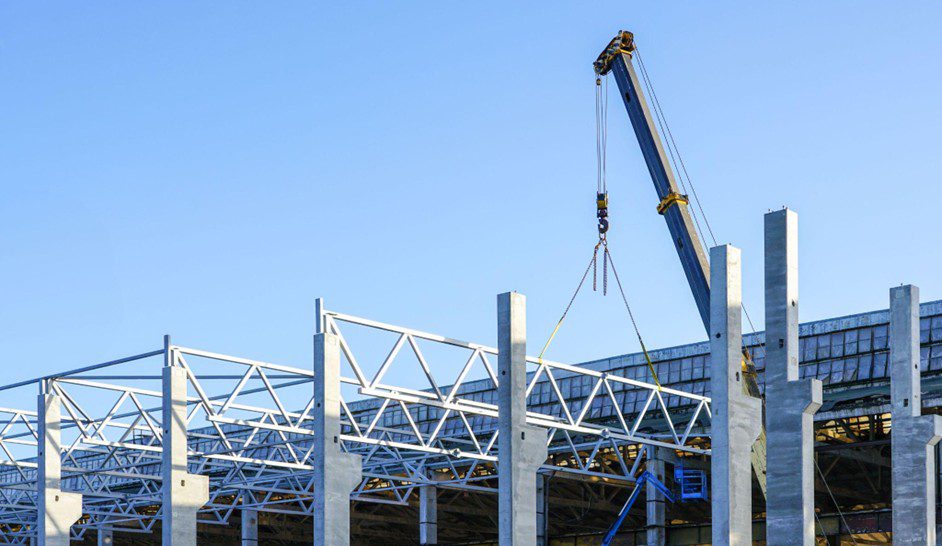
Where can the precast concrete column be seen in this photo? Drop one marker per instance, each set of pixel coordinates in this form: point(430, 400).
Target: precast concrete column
point(336, 473)
point(521, 447)
point(914, 435)
point(183, 493)
point(249, 527)
point(105, 536)
point(428, 514)
point(737, 417)
point(791, 402)
point(58, 510)
point(542, 509)
point(656, 529)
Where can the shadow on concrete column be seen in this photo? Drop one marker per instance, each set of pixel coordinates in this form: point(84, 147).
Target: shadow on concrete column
point(57, 510)
point(791, 402)
point(249, 527)
point(737, 417)
point(914, 435)
point(183, 493)
point(521, 447)
point(656, 504)
point(428, 514)
point(336, 473)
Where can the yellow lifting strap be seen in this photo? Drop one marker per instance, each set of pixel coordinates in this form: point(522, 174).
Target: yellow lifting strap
point(571, 300)
point(550, 340)
point(670, 200)
point(647, 358)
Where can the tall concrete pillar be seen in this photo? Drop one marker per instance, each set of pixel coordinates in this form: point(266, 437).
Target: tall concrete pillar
point(914, 435)
point(521, 447)
point(183, 493)
point(336, 473)
point(105, 536)
point(790, 402)
point(249, 527)
point(737, 417)
point(58, 510)
point(656, 529)
point(542, 510)
point(428, 514)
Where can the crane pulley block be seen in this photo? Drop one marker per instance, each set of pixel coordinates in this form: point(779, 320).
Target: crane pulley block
point(622, 43)
point(601, 206)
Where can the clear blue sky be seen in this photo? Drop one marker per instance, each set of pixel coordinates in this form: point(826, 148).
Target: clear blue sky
point(208, 169)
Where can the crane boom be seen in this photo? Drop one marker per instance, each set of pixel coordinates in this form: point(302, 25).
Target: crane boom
point(673, 205)
point(616, 59)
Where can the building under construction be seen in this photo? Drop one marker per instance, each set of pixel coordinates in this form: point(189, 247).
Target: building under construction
point(819, 433)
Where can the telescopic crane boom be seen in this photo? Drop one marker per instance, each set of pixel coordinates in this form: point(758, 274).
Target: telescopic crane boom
point(617, 60)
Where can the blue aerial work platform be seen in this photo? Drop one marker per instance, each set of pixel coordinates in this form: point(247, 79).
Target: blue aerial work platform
point(642, 480)
point(692, 483)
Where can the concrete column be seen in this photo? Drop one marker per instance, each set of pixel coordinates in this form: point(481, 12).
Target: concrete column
point(521, 447)
point(336, 473)
point(249, 527)
point(542, 510)
point(790, 402)
point(656, 503)
point(183, 493)
point(58, 510)
point(737, 417)
point(428, 514)
point(105, 536)
point(914, 435)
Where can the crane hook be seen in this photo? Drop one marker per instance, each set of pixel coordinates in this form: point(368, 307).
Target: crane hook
point(601, 203)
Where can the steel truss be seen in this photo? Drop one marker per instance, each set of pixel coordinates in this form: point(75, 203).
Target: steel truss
point(249, 427)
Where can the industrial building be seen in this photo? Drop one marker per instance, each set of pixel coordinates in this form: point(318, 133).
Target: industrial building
point(819, 433)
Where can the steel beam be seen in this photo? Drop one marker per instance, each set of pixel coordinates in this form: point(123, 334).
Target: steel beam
point(336, 473)
point(791, 402)
point(737, 417)
point(58, 510)
point(521, 447)
point(914, 435)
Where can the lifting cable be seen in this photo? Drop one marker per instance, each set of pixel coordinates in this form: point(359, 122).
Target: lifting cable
point(834, 500)
point(601, 145)
point(680, 167)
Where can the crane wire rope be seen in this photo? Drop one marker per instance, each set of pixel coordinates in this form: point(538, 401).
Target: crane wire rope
point(834, 500)
point(673, 144)
point(601, 134)
point(672, 151)
point(679, 161)
point(601, 153)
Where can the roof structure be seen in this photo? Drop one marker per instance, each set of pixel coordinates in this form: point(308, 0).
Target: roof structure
point(248, 421)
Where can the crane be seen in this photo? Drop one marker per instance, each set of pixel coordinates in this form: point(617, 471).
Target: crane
point(616, 59)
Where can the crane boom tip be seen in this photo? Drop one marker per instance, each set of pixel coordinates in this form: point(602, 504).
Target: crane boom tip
point(622, 43)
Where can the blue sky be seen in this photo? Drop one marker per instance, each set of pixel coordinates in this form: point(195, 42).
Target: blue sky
point(208, 169)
